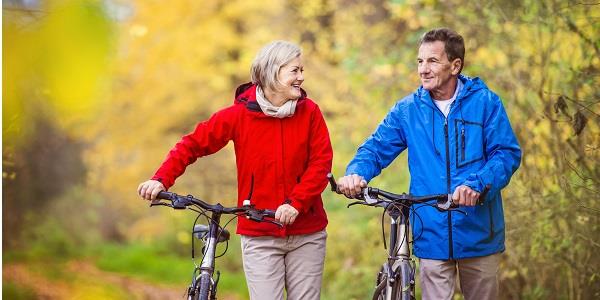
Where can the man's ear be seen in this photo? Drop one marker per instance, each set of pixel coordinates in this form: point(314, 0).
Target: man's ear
point(456, 66)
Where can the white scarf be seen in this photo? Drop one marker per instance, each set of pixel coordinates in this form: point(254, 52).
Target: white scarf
point(284, 111)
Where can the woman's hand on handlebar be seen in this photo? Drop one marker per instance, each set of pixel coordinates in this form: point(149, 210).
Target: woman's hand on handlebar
point(351, 185)
point(465, 196)
point(149, 189)
point(286, 214)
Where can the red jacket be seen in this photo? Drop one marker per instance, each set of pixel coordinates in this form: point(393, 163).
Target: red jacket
point(287, 159)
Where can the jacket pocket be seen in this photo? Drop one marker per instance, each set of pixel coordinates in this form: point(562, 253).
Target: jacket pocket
point(469, 142)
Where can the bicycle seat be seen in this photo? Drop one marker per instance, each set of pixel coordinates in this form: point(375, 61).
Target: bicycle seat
point(200, 231)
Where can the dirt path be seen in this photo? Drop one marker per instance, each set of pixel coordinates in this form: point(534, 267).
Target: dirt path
point(43, 288)
point(138, 289)
point(55, 289)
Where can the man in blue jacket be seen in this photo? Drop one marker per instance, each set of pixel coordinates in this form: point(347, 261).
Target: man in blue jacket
point(459, 140)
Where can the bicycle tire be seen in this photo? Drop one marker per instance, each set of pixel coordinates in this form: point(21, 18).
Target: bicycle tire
point(193, 293)
point(195, 297)
point(205, 287)
point(397, 293)
point(379, 293)
point(403, 285)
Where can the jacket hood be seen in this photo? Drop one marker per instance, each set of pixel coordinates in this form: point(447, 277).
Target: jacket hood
point(470, 86)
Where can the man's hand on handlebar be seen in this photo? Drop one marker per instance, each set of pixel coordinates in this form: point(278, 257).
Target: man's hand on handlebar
point(465, 196)
point(351, 185)
point(149, 189)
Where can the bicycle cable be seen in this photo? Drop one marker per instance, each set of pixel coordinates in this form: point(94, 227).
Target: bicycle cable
point(200, 213)
point(415, 214)
point(405, 236)
point(226, 242)
point(390, 204)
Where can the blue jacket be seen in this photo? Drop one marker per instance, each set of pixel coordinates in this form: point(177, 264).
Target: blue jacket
point(474, 146)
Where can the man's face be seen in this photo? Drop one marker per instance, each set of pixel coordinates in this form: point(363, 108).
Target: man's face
point(435, 70)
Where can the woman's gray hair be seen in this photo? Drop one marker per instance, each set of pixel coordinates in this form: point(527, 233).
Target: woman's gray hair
point(269, 60)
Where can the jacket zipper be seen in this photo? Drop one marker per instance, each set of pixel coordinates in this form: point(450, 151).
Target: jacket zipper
point(462, 141)
point(448, 181)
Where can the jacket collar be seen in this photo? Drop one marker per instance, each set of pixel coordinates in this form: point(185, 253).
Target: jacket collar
point(246, 94)
point(470, 85)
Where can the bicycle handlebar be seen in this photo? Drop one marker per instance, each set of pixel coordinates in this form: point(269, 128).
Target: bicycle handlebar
point(371, 196)
point(182, 202)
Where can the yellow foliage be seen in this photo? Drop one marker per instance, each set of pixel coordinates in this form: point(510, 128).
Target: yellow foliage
point(131, 88)
point(54, 64)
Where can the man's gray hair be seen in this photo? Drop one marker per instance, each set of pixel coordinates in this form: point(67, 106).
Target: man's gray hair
point(454, 44)
point(269, 60)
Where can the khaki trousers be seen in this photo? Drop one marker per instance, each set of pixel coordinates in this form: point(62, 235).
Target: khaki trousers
point(294, 262)
point(478, 277)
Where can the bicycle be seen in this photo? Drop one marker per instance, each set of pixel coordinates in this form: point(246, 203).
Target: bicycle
point(396, 279)
point(204, 283)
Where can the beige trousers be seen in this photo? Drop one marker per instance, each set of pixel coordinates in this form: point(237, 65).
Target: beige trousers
point(478, 277)
point(294, 262)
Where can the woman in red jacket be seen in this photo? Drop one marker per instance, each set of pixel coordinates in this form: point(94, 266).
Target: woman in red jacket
point(282, 147)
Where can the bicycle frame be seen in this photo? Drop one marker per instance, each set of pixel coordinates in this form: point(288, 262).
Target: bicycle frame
point(399, 257)
point(203, 285)
point(207, 266)
point(399, 266)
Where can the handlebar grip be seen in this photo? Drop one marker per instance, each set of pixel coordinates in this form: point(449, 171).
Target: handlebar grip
point(483, 194)
point(332, 183)
point(269, 213)
point(164, 195)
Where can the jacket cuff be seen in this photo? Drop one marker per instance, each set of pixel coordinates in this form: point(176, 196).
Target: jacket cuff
point(354, 171)
point(161, 180)
point(295, 204)
point(474, 183)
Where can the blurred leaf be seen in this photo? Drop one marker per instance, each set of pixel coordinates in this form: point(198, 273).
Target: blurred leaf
point(579, 122)
point(561, 105)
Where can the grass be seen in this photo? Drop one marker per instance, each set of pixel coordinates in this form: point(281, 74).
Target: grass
point(150, 263)
point(11, 290)
point(145, 262)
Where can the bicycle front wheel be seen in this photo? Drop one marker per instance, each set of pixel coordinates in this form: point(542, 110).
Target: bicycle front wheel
point(401, 289)
point(205, 287)
point(202, 289)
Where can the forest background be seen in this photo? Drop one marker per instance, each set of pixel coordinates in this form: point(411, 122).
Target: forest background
point(96, 92)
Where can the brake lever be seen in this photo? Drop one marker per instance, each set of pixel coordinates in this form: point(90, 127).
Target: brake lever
point(161, 204)
point(354, 203)
point(446, 205)
point(274, 222)
point(259, 217)
point(368, 198)
point(449, 205)
point(452, 208)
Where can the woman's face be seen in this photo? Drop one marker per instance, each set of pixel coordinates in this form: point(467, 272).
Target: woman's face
point(291, 77)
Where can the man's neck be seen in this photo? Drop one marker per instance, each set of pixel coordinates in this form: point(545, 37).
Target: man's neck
point(445, 92)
